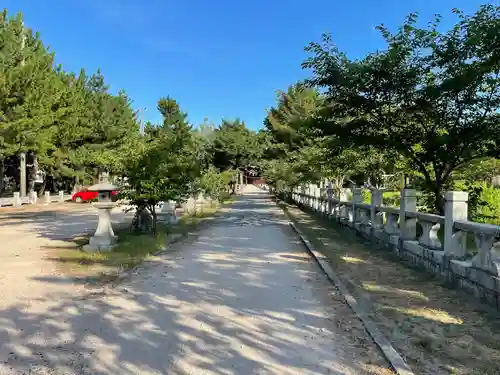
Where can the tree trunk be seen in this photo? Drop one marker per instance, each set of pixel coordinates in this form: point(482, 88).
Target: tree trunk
point(337, 188)
point(2, 172)
point(436, 189)
point(33, 173)
point(438, 202)
point(55, 188)
point(154, 221)
point(42, 187)
point(31, 180)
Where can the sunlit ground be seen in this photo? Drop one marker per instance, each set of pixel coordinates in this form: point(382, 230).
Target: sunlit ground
point(437, 330)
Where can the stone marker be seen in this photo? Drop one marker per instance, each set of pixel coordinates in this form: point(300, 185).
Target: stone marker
point(17, 199)
point(47, 198)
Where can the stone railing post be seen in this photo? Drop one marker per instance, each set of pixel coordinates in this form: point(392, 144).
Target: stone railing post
point(46, 198)
point(375, 217)
point(17, 199)
point(311, 196)
point(329, 194)
point(455, 209)
point(408, 227)
point(61, 196)
point(318, 199)
point(357, 198)
point(307, 198)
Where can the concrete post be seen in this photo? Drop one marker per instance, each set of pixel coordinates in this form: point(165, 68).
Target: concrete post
point(455, 209)
point(47, 198)
point(357, 198)
point(317, 195)
point(61, 196)
point(17, 199)
point(357, 195)
point(408, 227)
point(329, 194)
point(308, 199)
point(375, 217)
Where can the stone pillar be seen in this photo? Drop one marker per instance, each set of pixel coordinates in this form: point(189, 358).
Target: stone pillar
point(166, 207)
point(309, 195)
point(61, 196)
point(455, 209)
point(17, 199)
point(46, 198)
point(376, 217)
point(317, 195)
point(357, 198)
point(329, 194)
point(407, 227)
point(33, 196)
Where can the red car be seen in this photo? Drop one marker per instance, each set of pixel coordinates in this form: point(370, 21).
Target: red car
point(85, 195)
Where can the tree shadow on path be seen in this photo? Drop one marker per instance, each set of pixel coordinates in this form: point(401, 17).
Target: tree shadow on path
point(239, 300)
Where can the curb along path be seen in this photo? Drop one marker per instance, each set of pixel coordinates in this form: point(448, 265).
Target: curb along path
point(397, 362)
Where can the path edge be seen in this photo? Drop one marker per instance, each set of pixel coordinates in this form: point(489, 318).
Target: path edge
point(395, 360)
point(171, 240)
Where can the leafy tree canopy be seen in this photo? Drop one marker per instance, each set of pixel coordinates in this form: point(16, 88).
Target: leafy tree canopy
point(430, 96)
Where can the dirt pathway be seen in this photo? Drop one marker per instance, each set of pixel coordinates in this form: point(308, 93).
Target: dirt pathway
point(25, 236)
point(242, 298)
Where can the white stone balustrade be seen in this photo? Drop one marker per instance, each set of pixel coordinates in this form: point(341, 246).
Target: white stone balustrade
point(487, 241)
point(391, 227)
point(32, 198)
point(438, 243)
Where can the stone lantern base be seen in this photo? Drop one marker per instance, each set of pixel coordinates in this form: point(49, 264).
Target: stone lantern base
point(104, 238)
point(100, 244)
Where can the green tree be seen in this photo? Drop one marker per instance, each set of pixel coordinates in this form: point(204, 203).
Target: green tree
point(295, 152)
point(166, 167)
point(214, 183)
point(430, 96)
point(235, 146)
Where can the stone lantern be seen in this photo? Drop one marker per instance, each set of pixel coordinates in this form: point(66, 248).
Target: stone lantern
point(104, 238)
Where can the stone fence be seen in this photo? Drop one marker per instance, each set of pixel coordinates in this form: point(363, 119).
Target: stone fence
point(167, 211)
point(33, 198)
point(463, 253)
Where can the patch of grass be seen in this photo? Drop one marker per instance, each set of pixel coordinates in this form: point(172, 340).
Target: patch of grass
point(131, 250)
point(437, 330)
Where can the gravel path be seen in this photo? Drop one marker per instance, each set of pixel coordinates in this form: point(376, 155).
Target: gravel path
point(242, 298)
point(26, 235)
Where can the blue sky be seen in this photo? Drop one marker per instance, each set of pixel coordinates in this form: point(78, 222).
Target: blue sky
point(218, 58)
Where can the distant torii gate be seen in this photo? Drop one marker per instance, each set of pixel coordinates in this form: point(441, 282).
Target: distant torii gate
point(251, 175)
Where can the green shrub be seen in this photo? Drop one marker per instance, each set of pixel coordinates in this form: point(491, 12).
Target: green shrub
point(489, 210)
point(215, 183)
point(367, 196)
point(391, 198)
point(484, 201)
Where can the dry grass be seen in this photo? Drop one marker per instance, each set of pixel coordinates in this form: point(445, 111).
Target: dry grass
point(132, 249)
point(437, 330)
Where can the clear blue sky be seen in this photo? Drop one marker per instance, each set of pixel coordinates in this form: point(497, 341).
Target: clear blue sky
point(218, 58)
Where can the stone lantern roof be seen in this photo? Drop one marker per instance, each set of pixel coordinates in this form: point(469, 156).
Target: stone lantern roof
point(103, 186)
